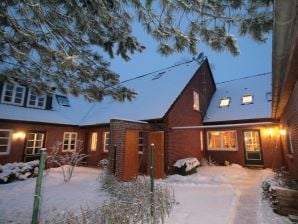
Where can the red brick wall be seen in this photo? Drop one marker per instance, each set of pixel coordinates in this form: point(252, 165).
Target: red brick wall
point(118, 130)
point(185, 143)
point(289, 121)
point(54, 133)
point(95, 156)
point(271, 150)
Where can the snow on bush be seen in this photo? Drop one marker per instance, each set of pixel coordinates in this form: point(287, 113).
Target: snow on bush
point(190, 163)
point(132, 202)
point(18, 171)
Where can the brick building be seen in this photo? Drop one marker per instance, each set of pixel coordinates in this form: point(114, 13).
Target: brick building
point(179, 109)
point(285, 73)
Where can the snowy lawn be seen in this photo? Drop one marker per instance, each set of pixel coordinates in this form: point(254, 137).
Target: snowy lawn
point(213, 195)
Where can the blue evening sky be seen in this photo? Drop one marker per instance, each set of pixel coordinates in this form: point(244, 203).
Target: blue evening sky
point(255, 58)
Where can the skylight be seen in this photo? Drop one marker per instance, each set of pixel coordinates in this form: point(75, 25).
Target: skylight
point(225, 102)
point(247, 99)
point(269, 96)
point(63, 100)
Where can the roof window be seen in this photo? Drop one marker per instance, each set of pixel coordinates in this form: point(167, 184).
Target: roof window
point(225, 102)
point(247, 99)
point(63, 100)
point(269, 96)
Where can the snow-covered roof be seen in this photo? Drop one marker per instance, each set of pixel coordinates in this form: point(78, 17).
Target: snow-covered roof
point(258, 86)
point(156, 93)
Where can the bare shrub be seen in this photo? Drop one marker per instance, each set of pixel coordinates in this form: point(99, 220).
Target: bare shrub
point(66, 160)
point(132, 202)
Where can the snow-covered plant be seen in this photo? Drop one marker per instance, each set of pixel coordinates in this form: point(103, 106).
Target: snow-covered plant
point(132, 202)
point(85, 216)
point(46, 43)
point(66, 160)
point(18, 171)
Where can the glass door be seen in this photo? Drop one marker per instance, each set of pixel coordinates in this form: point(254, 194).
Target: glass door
point(252, 147)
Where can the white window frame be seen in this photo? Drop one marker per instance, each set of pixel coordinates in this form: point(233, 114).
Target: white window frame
point(243, 99)
point(13, 96)
point(196, 101)
point(63, 100)
point(106, 141)
point(68, 144)
point(34, 140)
point(36, 100)
point(141, 145)
point(8, 146)
point(223, 101)
point(221, 148)
point(93, 145)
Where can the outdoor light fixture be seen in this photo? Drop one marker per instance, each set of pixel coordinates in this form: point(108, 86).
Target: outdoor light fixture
point(270, 131)
point(19, 135)
point(282, 132)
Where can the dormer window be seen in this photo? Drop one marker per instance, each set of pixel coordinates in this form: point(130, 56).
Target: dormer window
point(13, 94)
point(63, 100)
point(247, 99)
point(35, 100)
point(225, 102)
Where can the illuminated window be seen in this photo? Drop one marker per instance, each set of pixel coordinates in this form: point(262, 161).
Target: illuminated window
point(222, 140)
point(247, 99)
point(34, 143)
point(141, 142)
point(69, 141)
point(93, 141)
point(5, 140)
point(196, 101)
point(106, 141)
point(224, 102)
point(13, 94)
point(63, 100)
point(35, 100)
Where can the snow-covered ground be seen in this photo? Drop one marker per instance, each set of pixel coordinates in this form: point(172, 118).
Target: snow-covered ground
point(215, 194)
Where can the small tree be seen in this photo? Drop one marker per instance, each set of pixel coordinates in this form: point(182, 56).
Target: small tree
point(66, 160)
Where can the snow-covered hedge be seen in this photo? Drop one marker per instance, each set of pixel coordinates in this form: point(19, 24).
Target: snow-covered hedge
point(186, 166)
point(18, 171)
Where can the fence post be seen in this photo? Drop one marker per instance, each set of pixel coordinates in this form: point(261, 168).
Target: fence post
point(38, 186)
point(152, 182)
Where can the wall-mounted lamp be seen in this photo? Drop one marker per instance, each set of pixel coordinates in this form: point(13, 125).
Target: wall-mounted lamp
point(282, 132)
point(270, 131)
point(20, 135)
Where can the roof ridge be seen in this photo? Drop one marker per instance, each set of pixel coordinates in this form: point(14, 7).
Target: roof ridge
point(245, 77)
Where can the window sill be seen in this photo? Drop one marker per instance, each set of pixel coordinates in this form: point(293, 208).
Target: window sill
point(223, 150)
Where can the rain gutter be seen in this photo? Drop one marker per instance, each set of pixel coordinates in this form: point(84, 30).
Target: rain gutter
point(283, 35)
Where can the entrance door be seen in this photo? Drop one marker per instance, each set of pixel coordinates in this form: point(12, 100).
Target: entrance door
point(252, 147)
point(156, 138)
point(34, 142)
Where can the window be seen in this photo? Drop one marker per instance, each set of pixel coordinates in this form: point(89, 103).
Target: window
point(13, 94)
point(196, 101)
point(269, 96)
point(248, 99)
point(5, 139)
point(202, 140)
point(224, 102)
point(141, 142)
point(106, 141)
point(290, 143)
point(63, 100)
point(93, 141)
point(35, 100)
point(35, 141)
point(222, 140)
point(69, 141)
